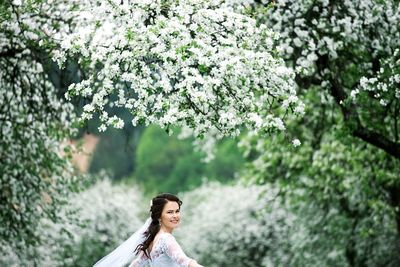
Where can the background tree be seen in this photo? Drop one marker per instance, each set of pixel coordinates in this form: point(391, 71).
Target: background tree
point(344, 53)
point(34, 122)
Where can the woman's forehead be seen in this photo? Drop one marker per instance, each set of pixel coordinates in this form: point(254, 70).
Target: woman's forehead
point(171, 205)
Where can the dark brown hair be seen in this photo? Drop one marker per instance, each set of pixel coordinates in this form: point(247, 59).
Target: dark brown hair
point(157, 206)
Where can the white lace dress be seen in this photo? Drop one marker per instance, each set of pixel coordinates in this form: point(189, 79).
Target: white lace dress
point(166, 252)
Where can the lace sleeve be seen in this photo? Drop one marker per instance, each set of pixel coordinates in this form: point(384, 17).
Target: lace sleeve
point(175, 252)
point(140, 261)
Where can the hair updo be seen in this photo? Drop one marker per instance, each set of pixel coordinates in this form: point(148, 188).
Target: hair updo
point(156, 208)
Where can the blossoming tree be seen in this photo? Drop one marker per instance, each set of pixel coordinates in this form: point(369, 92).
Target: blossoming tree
point(350, 49)
point(34, 177)
point(346, 58)
point(187, 63)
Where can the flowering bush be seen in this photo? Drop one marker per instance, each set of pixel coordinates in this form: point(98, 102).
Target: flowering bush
point(235, 226)
point(107, 215)
point(193, 63)
point(242, 225)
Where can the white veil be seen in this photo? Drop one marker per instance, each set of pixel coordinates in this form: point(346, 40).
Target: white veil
point(124, 253)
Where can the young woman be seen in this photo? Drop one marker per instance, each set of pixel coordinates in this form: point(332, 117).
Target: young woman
point(153, 245)
point(160, 248)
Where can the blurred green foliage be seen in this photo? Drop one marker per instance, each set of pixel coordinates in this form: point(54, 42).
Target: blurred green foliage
point(115, 153)
point(167, 164)
point(338, 183)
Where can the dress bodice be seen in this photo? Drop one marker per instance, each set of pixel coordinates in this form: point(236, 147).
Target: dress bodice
point(166, 252)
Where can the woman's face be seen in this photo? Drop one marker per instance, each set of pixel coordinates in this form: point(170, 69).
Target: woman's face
point(170, 216)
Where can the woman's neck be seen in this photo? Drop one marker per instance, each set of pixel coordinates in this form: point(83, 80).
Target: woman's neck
point(166, 229)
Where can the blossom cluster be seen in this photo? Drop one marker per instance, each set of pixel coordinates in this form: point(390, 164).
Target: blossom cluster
point(189, 63)
point(385, 85)
point(324, 28)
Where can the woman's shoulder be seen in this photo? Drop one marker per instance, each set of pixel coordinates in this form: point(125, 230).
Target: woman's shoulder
point(166, 238)
point(166, 235)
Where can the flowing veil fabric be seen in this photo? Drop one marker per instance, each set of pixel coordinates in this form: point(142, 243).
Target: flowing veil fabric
point(124, 253)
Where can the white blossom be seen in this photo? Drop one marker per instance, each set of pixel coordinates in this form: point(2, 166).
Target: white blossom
point(296, 142)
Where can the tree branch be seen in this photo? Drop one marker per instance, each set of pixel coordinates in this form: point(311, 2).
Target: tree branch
point(306, 82)
point(10, 52)
point(352, 118)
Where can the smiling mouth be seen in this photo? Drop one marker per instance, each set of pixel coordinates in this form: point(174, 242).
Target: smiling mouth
point(174, 221)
